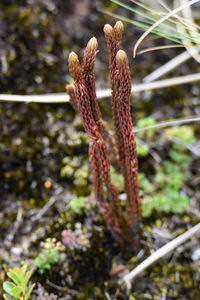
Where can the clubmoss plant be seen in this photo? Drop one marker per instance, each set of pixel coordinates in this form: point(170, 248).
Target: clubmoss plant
point(123, 224)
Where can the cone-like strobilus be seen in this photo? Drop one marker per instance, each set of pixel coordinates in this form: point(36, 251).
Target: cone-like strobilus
point(123, 223)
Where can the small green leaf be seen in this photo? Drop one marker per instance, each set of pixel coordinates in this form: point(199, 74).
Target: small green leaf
point(8, 286)
point(146, 186)
point(142, 149)
point(185, 133)
point(26, 279)
point(19, 272)
point(67, 171)
point(160, 178)
point(77, 204)
point(17, 292)
point(145, 122)
point(14, 276)
point(23, 270)
point(147, 207)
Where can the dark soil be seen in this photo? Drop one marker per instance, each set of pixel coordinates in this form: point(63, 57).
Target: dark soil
point(36, 38)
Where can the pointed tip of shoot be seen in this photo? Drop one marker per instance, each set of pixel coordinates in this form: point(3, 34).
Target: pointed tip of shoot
point(108, 30)
point(92, 44)
point(74, 65)
point(89, 57)
point(121, 57)
point(119, 27)
point(73, 58)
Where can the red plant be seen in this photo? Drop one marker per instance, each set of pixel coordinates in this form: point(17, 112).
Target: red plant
point(85, 102)
point(124, 225)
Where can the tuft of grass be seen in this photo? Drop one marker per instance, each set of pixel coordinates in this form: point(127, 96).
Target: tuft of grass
point(161, 24)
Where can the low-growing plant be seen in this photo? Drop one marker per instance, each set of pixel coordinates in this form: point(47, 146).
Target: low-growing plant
point(142, 148)
point(76, 169)
point(79, 205)
point(120, 174)
point(186, 35)
point(49, 255)
point(18, 287)
point(165, 192)
point(124, 223)
point(146, 122)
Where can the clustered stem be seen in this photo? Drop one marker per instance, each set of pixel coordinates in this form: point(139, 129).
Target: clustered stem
point(123, 224)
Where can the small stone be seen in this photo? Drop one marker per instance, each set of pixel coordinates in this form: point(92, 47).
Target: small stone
point(16, 251)
point(196, 254)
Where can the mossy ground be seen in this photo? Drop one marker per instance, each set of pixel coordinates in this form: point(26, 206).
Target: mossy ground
point(38, 141)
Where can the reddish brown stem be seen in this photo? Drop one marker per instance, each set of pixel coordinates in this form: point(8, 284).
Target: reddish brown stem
point(83, 98)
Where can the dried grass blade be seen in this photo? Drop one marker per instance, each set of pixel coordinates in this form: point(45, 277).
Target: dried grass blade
point(161, 252)
point(160, 21)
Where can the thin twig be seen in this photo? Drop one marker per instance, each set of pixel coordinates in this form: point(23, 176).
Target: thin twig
point(187, 14)
point(186, 21)
point(161, 20)
point(108, 296)
point(166, 83)
point(55, 286)
point(44, 98)
point(169, 123)
point(163, 47)
point(15, 226)
point(46, 207)
point(161, 252)
point(172, 64)
point(184, 24)
point(136, 88)
point(192, 148)
point(181, 28)
point(169, 66)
